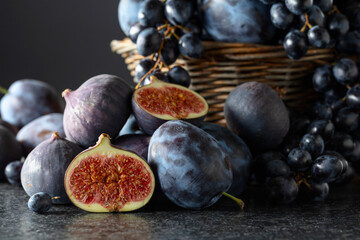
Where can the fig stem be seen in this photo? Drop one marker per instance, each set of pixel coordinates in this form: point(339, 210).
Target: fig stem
point(3, 90)
point(237, 200)
point(53, 198)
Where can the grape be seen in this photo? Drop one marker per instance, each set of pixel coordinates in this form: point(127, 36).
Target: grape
point(281, 17)
point(40, 202)
point(170, 51)
point(299, 160)
point(320, 110)
point(324, 128)
point(353, 97)
point(323, 79)
point(337, 24)
point(12, 172)
point(347, 120)
point(190, 45)
point(178, 12)
point(148, 41)
point(156, 73)
point(179, 75)
point(355, 154)
point(290, 142)
point(315, 191)
point(194, 26)
point(295, 44)
point(299, 7)
point(326, 168)
point(277, 168)
point(314, 144)
point(349, 43)
point(342, 143)
point(134, 31)
point(151, 12)
point(325, 5)
point(336, 105)
point(299, 125)
point(282, 190)
point(335, 93)
point(143, 67)
point(316, 17)
point(268, 2)
point(346, 72)
point(261, 161)
point(318, 37)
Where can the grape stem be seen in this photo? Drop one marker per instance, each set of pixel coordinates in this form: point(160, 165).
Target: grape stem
point(335, 9)
point(306, 24)
point(57, 197)
point(3, 91)
point(237, 200)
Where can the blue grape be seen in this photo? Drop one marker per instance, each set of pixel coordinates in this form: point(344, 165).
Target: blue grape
point(178, 12)
point(323, 79)
point(280, 16)
point(299, 160)
point(324, 128)
point(314, 144)
point(346, 71)
point(180, 76)
point(277, 168)
point(347, 120)
point(338, 24)
point(353, 97)
point(315, 191)
point(190, 45)
point(325, 5)
point(40, 202)
point(318, 37)
point(170, 51)
point(316, 17)
point(151, 12)
point(342, 143)
point(295, 44)
point(299, 7)
point(320, 110)
point(148, 41)
point(282, 190)
point(143, 67)
point(134, 31)
point(326, 168)
point(12, 172)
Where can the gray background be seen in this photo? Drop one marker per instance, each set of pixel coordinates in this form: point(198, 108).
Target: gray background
point(62, 42)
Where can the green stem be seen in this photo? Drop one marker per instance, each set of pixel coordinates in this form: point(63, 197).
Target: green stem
point(237, 200)
point(3, 91)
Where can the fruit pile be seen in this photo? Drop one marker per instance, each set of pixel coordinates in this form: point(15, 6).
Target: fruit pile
point(111, 148)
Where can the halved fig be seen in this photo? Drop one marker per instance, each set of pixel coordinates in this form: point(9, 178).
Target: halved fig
point(158, 102)
point(107, 179)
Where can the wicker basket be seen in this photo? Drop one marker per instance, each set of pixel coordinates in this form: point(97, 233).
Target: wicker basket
point(226, 65)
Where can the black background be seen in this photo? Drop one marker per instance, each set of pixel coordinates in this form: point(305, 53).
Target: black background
point(60, 42)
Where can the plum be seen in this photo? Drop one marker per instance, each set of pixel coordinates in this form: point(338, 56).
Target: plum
point(9, 126)
point(131, 127)
point(246, 21)
point(192, 168)
point(28, 99)
point(101, 104)
point(238, 152)
point(10, 149)
point(137, 143)
point(12, 172)
point(44, 168)
point(128, 14)
point(255, 112)
point(40, 129)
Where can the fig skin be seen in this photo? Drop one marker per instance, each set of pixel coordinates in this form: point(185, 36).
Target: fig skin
point(192, 168)
point(137, 143)
point(131, 127)
point(238, 152)
point(113, 173)
point(149, 122)
point(102, 104)
point(39, 130)
point(255, 112)
point(29, 99)
point(10, 150)
point(44, 168)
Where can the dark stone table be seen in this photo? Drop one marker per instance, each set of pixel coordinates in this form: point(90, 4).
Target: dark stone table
point(336, 218)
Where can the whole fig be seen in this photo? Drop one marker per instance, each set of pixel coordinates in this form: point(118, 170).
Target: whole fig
point(44, 168)
point(28, 99)
point(102, 104)
point(255, 112)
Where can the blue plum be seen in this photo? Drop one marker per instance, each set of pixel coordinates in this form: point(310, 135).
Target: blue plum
point(191, 166)
point(128, 14)
point(238, 152)
point(245, 21)
point(137, 143)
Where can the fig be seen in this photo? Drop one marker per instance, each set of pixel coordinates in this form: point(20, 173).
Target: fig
point(101, 104)
point(44, 168)
point(104, 178)
point(9, 126)
point(10, 149)
point(255, 112)
point(192, 168)
point(137, 143)
point(238, 152)
point(40, 129)
point(12, 172)
point(28, 99)
point(158, 102)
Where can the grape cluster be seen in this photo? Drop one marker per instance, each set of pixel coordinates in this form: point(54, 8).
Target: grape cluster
point(323, 145)
point(166, 29)
point(316, 23)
